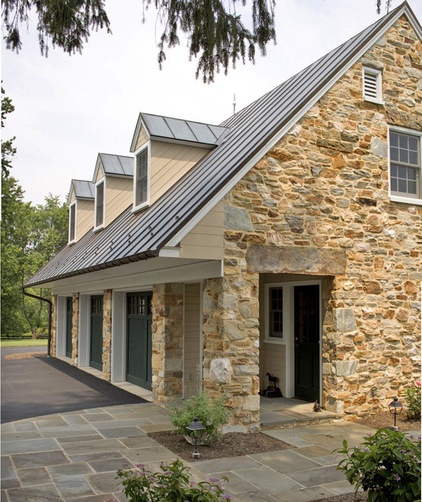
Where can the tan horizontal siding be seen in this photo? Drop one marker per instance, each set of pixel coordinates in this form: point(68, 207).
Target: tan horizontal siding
point(84, 217)
point(169, 162)
point(100, 173)
point(143, 137)
point(119, 195)
point(206, 239)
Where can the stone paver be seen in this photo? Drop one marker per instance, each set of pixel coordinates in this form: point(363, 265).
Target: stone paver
point(74, 457)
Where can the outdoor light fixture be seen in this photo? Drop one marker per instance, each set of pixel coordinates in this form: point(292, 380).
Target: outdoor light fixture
point(395, 408)
point(197, 430)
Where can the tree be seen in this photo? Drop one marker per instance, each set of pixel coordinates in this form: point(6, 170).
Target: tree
point(215, 30)
point(48, 234)
point(30, 236)
point(14, 234)
point(7, 148)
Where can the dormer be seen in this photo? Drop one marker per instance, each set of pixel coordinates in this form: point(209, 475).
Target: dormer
point(81, 208)
point(165, 149)
point(113, 187)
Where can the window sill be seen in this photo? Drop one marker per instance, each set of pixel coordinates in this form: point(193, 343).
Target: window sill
point(406, 200)
point(374, 100)
point(274, 341)
point(136, 209)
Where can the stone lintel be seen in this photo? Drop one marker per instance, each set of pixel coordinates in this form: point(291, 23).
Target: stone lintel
point(296, 260)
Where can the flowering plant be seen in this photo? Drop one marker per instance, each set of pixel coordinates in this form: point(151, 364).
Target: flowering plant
point(170, 484)
point(210, 412)
point(414, 402)
point(387, 466)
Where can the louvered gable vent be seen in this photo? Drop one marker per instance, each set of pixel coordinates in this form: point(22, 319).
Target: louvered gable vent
point(372, 87)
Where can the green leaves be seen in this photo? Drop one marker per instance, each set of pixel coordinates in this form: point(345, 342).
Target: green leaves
point(63, 23)
point(413, 395)
point(211, 413)
point(387, 466)
point(216, 34)
point(170, 484)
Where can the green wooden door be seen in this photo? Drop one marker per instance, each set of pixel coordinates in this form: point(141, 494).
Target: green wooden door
point(96, 352)
point(307, 334)
point(139, 350)
point(69, 312)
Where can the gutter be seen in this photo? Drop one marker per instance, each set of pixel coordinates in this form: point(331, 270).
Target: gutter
point(50, 310)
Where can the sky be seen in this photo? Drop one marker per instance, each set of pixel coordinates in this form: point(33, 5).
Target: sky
point(70, 108)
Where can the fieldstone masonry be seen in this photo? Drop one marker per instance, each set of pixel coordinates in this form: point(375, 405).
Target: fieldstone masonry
point(167, 342)
point(318, 203)
point(231, 344)
point(75, 328)
point(107, 333)
point(53, 346)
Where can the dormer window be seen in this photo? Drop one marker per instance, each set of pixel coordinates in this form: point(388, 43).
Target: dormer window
point(99, 205)
point(72, 223)
point(141, 178)
point(372, 85)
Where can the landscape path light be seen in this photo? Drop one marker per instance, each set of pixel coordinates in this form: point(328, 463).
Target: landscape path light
point(197, 430)
point(395, 408)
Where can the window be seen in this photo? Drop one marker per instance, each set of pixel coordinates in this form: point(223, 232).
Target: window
point(275, 325)
point(141, 178)
point(99, 205)
point(72, 222)
point(405, 164)
point(372, 85)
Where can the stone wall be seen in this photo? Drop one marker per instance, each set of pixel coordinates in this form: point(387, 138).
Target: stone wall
point(75, 328)
point(53, 346)
point(107, 333)
point(322, 193)
point(167, 342)
point(231, 344)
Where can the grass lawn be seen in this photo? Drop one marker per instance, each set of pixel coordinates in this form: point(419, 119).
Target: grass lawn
point(26, 342)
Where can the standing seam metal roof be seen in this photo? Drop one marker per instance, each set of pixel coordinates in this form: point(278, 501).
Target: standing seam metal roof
point(133, 237)
point(116, 165)
point(83, 189)
point(168, 128)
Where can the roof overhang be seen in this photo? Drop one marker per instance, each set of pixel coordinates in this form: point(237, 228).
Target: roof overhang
point(139, 275)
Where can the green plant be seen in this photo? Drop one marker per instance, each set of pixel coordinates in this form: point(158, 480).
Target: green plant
point(170, 484)
point(414, 402)
point(211, 413)
point(387, 466)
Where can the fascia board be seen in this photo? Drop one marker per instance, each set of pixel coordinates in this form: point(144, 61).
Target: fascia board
point(71, 190)
point(138, 127)
point(175, 240)
point(97, 167)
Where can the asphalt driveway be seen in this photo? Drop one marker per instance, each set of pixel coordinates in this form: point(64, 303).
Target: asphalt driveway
point(33, 385)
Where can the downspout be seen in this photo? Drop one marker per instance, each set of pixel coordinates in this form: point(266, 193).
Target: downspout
point(50, 311)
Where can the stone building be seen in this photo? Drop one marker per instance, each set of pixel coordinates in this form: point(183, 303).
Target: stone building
point(287, 240)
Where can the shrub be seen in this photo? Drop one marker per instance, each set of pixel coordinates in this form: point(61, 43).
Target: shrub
point(170, 484)
point(387, 466)
point(211, 413)
point(414, 402)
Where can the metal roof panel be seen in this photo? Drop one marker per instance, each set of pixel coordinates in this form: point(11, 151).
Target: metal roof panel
point(117, 165)
point(169, 128)
point(252, 130)
point(84, 189)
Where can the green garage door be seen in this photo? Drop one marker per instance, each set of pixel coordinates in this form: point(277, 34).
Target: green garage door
point(139, 350)
point(96, 353)
point(69, 312)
